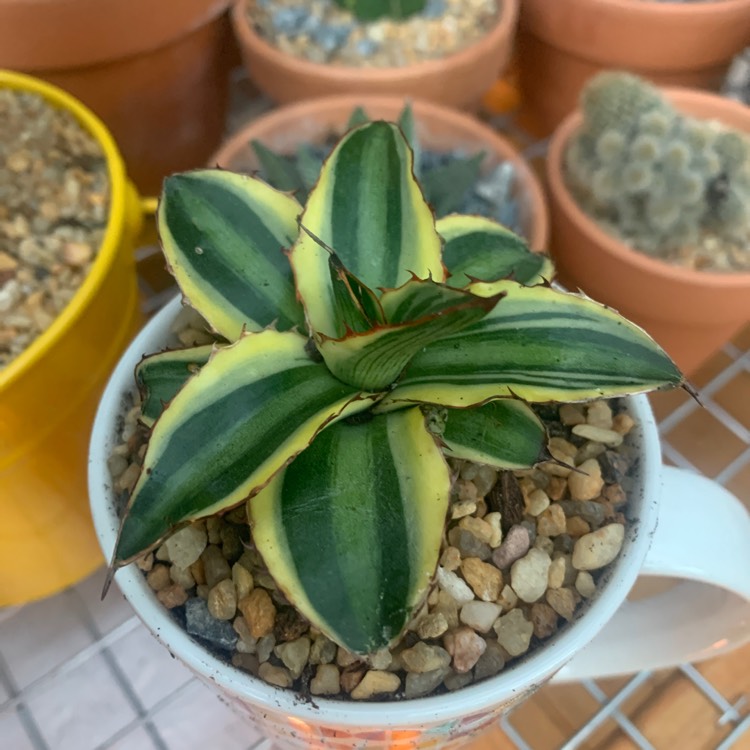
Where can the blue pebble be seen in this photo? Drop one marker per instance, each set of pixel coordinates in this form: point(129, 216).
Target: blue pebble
point(290, 20)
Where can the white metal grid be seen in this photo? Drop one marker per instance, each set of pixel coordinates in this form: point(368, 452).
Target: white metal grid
point(169, 721)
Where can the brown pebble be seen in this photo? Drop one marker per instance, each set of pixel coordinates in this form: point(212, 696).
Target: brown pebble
point(486, 580)
point(351, 677)
point(544, 620)
point(222, 600)
point(172, 596)
point(259, 612)
point(576, 526)
point(563, 601)
point(158, 577)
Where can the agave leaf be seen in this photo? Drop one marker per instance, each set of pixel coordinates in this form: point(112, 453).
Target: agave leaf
point(358, 117)
point(480, 248)
point(160, 377)
point(539, 345)
point(367, 207)
point(351, 529)
point(409, 128)
point(253, 407)
point(223, 236)
point(504, 433)
point(445, 187)
point(279, 171)
point(421, 311)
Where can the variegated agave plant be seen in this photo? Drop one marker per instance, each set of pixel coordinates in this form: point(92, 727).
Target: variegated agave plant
point(346, 321)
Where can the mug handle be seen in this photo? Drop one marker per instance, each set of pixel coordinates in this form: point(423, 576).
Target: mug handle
point(703, 537)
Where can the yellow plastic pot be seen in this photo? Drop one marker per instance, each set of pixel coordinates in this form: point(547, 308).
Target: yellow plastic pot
point(48, 396)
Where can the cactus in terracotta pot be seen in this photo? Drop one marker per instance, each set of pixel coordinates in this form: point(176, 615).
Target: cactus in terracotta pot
point(361, 342)
point(658, 179)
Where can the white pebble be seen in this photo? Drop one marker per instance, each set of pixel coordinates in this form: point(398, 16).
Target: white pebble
point(597, 549)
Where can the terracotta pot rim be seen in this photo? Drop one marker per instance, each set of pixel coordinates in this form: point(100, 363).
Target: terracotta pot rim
point(649, 10)
point(430, 111)
point(298, 65)
point(611, 245)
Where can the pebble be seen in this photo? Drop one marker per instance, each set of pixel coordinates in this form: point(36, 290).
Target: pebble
point(563, 601)
point(556, 575)
point(587, 482)
point(454, 586)
point(451, 558)
point(418, 684)
point(448, 607)
point(200, 623)
point(545, 544)
point(183, 576)
point(495, 522)
point(457, 680)
point(514, 632)
point(322, 650)
point(242, 579)
point(551, 522)
point(158, 577)
point(599, 414)
point(215, 565)
point(590, 511)
point(577, 527)
point(326, 680)
point(463, 508)
point(528, 576)
point(172, 596)
point(585, 584)
point(222, 600)
point(432, 625)
point(467, 544)
point(508, 599)
point(294, 655)
point(491, 662)
point(480, 616)
point(623, 423)
point(486, 580)
point(265, 646)
point(425, 658)
point(259, 612)
point(479, 528)
point(465, 646)
point(572, 414)
point(598, 435)
point(544, 619)
point(376, 682)
point(537, 502)
point(275, 675)
point(515, 545)
point(599, 548)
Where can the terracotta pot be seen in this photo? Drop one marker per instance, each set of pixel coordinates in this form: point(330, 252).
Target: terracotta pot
point(458, 80)
point(156, 73)
point(562, 44)
point(690, 313)
point(438, 128)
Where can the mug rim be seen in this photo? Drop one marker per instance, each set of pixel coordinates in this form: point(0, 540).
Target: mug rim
point(513, 683)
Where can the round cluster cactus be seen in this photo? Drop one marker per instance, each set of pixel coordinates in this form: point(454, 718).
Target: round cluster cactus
point(656, 178)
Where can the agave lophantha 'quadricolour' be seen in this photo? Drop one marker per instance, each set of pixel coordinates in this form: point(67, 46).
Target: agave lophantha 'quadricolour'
point(345, 321)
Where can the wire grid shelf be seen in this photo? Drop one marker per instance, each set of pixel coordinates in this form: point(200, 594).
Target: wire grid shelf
point(28, 702)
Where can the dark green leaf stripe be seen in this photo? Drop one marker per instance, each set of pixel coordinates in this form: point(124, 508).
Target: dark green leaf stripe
point(504, 433)
point(419, 298)
point(480, 248)
point(351, 529)
point(160, 377)
point(357, 306)
point(223, 235)
point(252, 408)
point(367, 207)
point(540, 345)
point(374, 360)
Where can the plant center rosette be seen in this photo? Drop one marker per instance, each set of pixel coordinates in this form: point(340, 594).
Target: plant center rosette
point(352, 470)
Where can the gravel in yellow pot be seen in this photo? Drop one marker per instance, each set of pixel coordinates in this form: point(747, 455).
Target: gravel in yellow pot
point(49, 392)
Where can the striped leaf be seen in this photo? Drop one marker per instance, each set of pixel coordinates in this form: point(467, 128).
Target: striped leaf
point(505, 434)
point(422, 311)
point(367, 207)
point(540, 345)
point(253, 407)
point(356, 305)
point(351, 530)
point(223, 235)
point(480, 248)
point(160, 377)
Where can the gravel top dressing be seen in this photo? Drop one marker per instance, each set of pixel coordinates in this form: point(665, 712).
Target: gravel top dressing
point(54, 204)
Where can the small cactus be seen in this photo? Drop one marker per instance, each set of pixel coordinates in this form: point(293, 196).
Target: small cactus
point(656, 178)
point(370, 10)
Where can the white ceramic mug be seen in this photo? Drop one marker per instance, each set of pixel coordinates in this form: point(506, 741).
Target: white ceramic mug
point(682, 525)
